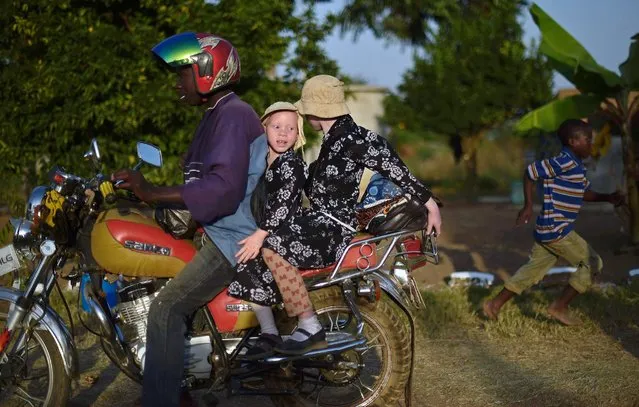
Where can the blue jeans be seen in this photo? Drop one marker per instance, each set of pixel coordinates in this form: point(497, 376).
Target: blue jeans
point(202, 279)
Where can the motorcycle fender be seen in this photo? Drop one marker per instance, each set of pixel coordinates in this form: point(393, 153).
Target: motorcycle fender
point(401, 299)
point(50, 321)
point(393, 290)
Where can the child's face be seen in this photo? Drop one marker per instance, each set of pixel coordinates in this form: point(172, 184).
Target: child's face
point(314, 121)
point(582, 144)
point(281, 130)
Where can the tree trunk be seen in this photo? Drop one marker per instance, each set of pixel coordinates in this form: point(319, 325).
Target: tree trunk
point(631, 181)
point(470, 146)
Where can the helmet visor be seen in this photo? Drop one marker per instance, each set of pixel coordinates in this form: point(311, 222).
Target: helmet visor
point(178, 49)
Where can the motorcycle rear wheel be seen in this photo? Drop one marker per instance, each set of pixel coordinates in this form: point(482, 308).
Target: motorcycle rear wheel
point(43, 380)
point(388, 349)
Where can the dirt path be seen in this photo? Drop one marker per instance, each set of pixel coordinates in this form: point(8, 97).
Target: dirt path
point(482, 237)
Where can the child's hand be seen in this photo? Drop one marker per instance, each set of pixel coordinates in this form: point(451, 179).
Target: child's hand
point(524, 215)
point(251, 246)
point(616, 198)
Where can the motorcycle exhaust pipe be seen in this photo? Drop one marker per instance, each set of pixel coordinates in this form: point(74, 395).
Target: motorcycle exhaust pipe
point(106, 327)
point(107, 330)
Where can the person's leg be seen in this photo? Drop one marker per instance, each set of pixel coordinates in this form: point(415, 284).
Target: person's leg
point(200, 280)
point(309, 333)
point(265, 318)
point(579, 254)
point(269, 335)
point(541, 260)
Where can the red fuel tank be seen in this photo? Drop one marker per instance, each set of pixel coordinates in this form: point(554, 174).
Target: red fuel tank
point(127, 242)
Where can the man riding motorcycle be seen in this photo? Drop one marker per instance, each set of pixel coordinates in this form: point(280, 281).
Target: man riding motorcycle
point(223, 164)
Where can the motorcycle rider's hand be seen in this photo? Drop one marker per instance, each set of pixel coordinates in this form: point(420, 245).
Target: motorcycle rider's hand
point(251, 246)
point(133, 181)
point(434, 223)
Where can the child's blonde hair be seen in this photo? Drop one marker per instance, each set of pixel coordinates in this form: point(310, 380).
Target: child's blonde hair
point(287, 107)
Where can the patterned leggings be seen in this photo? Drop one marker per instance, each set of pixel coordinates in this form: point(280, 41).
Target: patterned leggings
point(290, 283)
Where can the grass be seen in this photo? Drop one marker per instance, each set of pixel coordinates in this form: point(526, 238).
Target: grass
point(526, 359)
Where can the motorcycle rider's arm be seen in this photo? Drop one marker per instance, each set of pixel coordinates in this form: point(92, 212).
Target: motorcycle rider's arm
point(221, 185)
point(135, 182)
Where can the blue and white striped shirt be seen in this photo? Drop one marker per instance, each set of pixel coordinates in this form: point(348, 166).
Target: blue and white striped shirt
point(565, 182)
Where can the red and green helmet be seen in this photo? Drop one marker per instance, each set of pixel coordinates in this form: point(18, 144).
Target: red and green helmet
point(214, 60)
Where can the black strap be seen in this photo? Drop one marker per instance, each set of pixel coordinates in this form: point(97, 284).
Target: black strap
point(303, 332)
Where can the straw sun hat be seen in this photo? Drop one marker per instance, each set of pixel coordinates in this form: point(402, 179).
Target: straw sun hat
point(323, 97)
point(287, 107)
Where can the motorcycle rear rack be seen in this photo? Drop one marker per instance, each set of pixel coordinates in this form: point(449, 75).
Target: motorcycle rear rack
point(428, 252)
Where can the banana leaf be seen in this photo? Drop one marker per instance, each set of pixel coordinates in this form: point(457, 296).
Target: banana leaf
point(571, 59)
point(630, 68)
point(550, 116)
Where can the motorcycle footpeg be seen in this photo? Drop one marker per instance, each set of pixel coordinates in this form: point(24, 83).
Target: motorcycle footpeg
point(338, 342)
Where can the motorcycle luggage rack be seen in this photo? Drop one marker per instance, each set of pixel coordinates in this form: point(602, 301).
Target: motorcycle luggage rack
point(428, 251)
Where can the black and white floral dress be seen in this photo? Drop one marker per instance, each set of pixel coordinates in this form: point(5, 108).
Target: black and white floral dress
point(284, 184)
point(319, 236)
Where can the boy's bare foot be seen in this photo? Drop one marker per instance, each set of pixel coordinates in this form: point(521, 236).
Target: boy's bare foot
point(563, 315)
point(489, 310)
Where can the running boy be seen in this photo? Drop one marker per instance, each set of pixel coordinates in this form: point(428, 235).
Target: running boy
point(565, 189)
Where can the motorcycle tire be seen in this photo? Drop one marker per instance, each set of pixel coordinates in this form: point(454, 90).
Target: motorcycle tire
point(383, 320)
point(59, 388)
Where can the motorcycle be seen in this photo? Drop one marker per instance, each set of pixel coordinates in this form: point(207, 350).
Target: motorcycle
point(365, 301)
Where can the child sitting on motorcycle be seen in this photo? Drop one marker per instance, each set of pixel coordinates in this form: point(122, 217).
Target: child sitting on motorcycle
point(284, 182)
point(321, 234)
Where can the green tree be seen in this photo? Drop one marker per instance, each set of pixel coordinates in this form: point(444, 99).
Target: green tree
point(71, 70)
point(600, 88)
point(475, 75)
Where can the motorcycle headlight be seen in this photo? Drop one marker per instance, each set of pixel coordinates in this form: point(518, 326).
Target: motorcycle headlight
point(24, 237)
point(34, 204)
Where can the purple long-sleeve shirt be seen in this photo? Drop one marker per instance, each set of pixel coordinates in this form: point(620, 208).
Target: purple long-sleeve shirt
point(216, 165)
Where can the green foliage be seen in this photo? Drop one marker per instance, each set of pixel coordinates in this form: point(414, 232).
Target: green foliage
point(570, 58)
point(409, 21)
point(476, 74)
point(551, 115)
point(72, 70)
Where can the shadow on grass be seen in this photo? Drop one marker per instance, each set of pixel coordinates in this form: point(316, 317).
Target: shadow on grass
point(615, 310)
point(450, 318)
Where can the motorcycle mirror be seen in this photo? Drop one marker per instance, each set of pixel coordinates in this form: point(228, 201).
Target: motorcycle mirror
point(149, 154)
point(94, 153)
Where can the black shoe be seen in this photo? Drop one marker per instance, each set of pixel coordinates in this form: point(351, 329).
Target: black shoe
point(264, 347)
point(312, 342)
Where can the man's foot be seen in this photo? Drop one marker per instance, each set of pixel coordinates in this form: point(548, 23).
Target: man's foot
point(264, 347)
point(563, 315)
point(299, 347)
point(489, 310)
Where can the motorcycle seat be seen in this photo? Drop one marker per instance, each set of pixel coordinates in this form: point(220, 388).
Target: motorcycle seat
point(360, 253)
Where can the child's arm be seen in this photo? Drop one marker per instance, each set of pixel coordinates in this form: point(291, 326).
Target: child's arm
point(615, 198)
point(527, 211)
point(251, 246)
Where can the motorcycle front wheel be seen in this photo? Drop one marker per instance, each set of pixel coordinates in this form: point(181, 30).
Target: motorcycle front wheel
point(375, 375)
point(36, 374)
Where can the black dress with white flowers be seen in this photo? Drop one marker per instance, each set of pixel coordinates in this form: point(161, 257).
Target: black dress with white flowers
point(319, 236)
point(284, 184)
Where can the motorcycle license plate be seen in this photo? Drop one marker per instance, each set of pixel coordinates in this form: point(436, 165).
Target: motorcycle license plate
point(8, 260)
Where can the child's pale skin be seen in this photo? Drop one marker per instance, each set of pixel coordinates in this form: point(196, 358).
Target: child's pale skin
point(281, 134)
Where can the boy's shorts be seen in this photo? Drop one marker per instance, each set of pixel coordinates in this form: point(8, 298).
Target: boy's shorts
point(543, 256)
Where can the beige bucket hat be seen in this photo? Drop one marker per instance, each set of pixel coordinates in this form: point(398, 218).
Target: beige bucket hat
point(287, 107)
point(323, 96)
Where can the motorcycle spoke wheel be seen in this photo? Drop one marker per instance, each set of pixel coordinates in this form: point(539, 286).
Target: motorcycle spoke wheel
point(359, 382)
point(33, 369)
